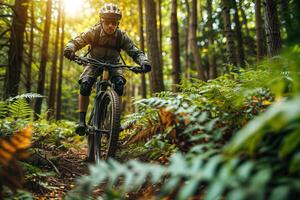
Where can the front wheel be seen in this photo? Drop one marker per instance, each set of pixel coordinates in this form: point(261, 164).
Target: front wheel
point(108, 122)
point(90, 141)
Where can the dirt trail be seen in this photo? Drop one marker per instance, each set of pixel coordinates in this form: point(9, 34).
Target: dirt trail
point(67, 164)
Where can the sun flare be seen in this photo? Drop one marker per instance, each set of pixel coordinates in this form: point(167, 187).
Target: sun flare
point(73, 7)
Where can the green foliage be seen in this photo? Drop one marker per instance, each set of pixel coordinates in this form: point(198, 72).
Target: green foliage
point(15, 113)
point(261, 161)
point(231, 176)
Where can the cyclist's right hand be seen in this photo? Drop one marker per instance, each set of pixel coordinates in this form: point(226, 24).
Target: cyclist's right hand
point(69, 53)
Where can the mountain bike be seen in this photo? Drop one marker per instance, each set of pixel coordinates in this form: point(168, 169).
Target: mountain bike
point(103, 125)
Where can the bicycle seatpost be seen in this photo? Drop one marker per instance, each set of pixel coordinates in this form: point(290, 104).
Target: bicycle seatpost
point(105, 74)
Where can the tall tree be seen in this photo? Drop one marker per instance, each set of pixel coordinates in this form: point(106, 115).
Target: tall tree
point(44, 58)
point(28, 65)
point(142, 45)
point(187, 41)
point(239, 35)
point(15, 53)
point(61, 64)
point(259, 30)
point(160, 38)
point(290, 13)
point(228, 32)
point(248, 40)
point(156, 76)
point(176, 73)
point(193, 41)
point(52, 93)
point(211, 52)
point(272, 27)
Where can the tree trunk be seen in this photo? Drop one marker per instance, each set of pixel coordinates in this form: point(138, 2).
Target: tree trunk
point(160, 31)
point(259, 30)
point(15, 53)
point(239, 35)
point(142, 45)
point(187, 44)
point(228, 33)
point(272, 28)
point(157, 84)
point(61, 64)
point(176, 72)
point(249, 40)
point(52, 92)
point(290, 12)
point(44, 59)
point(30, 54)
point(193, 41)
point(211, 51)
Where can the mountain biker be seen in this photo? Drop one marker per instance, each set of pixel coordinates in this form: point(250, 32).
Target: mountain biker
point(106, 41)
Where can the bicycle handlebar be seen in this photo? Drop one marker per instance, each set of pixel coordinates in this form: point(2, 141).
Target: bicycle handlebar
point(94, 62)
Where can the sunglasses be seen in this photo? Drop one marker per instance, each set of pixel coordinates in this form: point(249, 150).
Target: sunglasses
point(114, 23)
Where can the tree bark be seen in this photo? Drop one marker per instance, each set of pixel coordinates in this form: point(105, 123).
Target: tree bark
point(61, 64)
point(176, 72)
point(228, 33)
point(259, 30)
point(15, 53)
point(44, 59)
point(211, 51)
point(142, 45)
point(187, 43)
point(193, 41)
point(30, 54)
point(156, 76)
point(272, 28)
point(239, 35)
point(248, 40)
point(160, 32)
point(52, 92)
point(290, 14)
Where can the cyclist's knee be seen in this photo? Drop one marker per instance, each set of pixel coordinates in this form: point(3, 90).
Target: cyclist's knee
point(118, 83)
point(86, 85)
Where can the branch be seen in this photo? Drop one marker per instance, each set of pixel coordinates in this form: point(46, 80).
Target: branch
point(3, 33)
point(49, 161)
point(6, 44)
point(6, 15)
point(3, 65)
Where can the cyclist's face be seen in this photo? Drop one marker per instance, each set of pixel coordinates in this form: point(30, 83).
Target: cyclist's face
point(110, 26)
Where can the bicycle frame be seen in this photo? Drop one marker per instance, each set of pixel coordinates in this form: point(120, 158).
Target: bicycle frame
point(105, 118)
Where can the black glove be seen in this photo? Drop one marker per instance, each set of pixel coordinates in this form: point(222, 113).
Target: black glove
point(137, 70)
point(146, 68)
point(70, 54)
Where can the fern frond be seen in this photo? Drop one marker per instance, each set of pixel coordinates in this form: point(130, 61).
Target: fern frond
point(26, 96)
point(20, 109)
point(144, 135)
point(3, 109)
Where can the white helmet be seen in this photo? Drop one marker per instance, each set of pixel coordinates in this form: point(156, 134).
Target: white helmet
point(110, 11)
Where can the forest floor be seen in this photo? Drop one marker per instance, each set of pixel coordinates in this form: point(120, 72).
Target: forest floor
point(63, 166)
point(67, 164)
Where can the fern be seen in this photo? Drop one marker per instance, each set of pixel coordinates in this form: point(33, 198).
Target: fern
point(26, 96)
point(20, 109)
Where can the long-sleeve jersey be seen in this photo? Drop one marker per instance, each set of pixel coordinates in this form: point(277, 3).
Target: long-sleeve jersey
point(107, 47)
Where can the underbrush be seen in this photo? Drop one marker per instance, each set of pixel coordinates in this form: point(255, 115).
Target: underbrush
point(29, 161)
point(235, 137)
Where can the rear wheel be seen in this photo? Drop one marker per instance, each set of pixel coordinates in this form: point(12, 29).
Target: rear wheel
point(108, 122)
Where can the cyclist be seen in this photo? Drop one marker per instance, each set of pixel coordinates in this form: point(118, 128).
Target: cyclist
point(106, 41)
